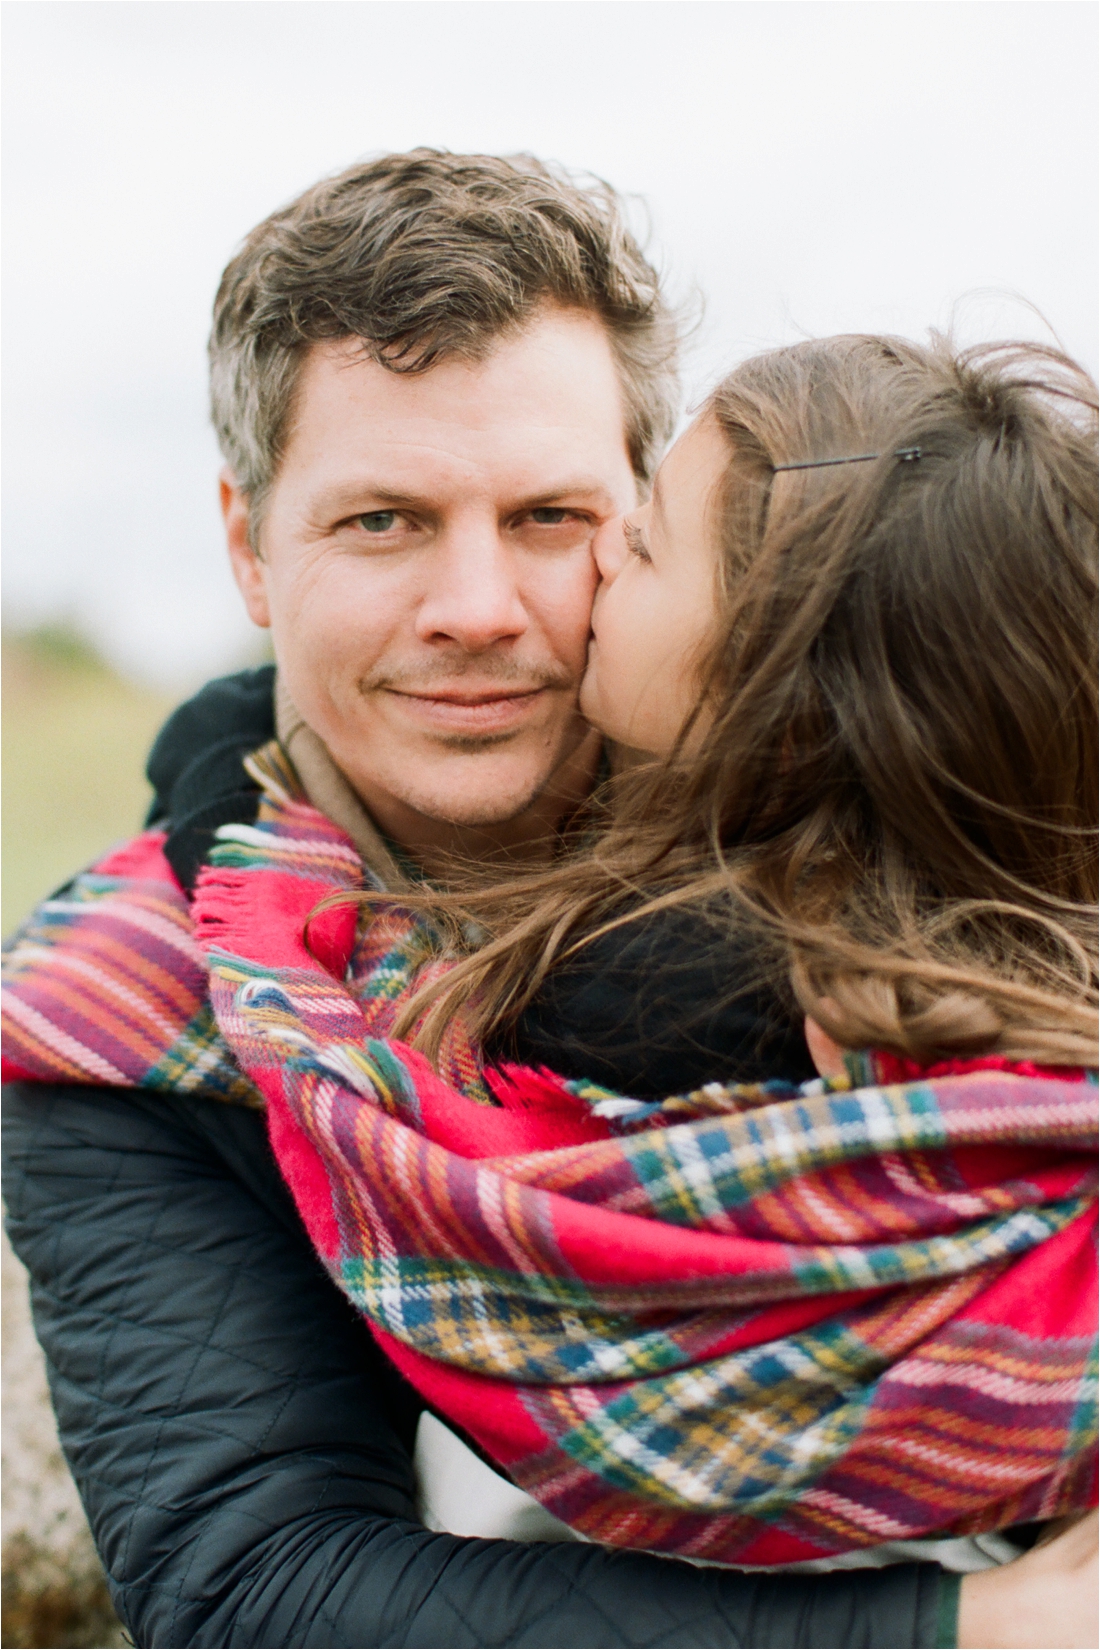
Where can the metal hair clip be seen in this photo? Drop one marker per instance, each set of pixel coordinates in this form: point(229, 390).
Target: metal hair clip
point(907, 455)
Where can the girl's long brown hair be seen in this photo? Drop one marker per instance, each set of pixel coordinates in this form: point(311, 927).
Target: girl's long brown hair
point(891, 772)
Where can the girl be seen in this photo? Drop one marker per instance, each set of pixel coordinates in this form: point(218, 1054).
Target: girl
point(855, 626)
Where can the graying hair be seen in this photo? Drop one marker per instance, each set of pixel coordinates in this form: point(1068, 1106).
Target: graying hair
point(422, 256)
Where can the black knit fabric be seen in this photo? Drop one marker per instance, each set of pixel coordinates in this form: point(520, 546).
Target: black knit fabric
point(661, 1006)
point(195, 765)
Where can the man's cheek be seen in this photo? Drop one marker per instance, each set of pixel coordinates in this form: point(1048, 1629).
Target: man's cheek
point(568, 610)
point(326, 628)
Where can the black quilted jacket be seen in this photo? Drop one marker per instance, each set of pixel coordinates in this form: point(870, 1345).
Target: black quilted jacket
point(244, 1452)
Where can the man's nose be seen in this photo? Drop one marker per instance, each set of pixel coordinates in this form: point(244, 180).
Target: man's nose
point(473, 597)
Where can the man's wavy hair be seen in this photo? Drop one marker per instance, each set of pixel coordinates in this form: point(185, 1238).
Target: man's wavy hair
point(424, 256)
point(891, 771)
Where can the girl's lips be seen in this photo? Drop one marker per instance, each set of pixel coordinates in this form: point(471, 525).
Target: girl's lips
point(477, 712)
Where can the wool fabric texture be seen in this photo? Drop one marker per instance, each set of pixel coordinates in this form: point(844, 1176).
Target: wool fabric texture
point(756, 1324)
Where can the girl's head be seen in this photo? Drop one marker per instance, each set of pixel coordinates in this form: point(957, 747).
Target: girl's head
point(758, 552)
point(871, 685)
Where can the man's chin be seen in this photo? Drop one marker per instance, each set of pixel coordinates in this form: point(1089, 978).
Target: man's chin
point(474, 811)
point(482, 789)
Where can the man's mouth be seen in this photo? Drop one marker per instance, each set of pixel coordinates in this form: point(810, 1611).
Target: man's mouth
point(471, 710)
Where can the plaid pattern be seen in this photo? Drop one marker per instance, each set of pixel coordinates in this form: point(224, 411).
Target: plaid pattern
point(105, 984)
point(755, 1324)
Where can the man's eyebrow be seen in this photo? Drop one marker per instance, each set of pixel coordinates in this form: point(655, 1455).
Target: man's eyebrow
point(345, 496)
point(585, 486)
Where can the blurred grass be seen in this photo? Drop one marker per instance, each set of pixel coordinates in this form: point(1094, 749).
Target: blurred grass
point(75, 739)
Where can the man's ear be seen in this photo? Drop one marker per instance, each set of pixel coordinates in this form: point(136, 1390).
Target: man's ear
point(248, 569)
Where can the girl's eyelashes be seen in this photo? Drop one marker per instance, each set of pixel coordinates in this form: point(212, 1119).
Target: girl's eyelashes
point(635, 543)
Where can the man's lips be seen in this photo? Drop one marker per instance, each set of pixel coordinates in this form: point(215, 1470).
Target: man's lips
point(460, 710)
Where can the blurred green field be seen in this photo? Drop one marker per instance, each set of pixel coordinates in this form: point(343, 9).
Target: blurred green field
point(75, 739)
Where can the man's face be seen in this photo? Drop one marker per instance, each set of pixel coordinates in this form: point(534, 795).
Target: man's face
point(424, 563)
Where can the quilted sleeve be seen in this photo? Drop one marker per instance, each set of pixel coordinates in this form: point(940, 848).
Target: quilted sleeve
point(243, 1452)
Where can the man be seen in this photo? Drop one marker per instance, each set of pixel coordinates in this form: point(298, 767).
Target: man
point(433, 377)
point(420, 449)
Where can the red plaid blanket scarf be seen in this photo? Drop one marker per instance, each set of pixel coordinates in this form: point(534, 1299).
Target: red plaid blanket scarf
point(753, 1324)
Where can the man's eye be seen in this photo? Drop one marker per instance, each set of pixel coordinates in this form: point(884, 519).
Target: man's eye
point(377, 521)
point(549, 516)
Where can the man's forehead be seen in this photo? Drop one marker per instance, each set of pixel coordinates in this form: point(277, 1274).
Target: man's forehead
point(539, 421)
point(557, 375)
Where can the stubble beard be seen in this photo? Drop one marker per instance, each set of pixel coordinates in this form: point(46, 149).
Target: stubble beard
point(486, 807)
point(493, 672)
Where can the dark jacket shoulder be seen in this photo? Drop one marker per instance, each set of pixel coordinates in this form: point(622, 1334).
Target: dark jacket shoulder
point(195, 765)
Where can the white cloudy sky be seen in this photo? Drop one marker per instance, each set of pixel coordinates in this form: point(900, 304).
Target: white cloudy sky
point(811, 168)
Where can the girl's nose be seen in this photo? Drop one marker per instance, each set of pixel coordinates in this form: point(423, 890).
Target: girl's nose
point(609, 549)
